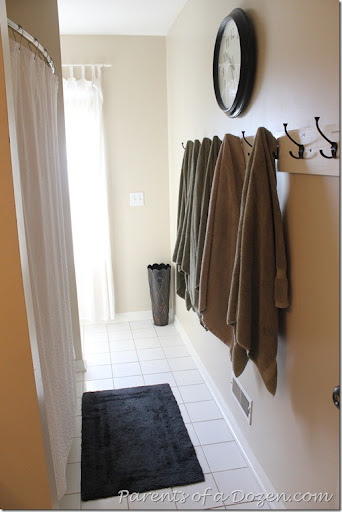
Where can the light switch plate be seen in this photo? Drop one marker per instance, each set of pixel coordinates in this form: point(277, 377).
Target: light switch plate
point(136, 199)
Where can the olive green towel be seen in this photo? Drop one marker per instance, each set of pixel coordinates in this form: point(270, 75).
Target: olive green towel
point(182, 197)
point(180, 256)
point(203, 215)
point(259, 282)
point(192, 241)
point(185, 248)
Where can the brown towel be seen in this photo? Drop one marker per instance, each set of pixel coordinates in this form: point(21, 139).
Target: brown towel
point(182, 200)
point(200, 175)
point(220, 240)
point(259, 283)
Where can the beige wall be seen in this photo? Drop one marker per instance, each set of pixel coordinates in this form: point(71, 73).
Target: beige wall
point(23, 470)
point(294, 434)
point(135, 117)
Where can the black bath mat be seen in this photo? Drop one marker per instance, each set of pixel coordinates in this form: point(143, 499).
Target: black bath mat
point(134, 439)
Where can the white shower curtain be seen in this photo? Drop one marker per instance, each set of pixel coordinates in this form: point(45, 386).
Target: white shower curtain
point(88, 195)
point(35, 100)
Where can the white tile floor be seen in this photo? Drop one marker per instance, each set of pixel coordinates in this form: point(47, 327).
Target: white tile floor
point(138, 353)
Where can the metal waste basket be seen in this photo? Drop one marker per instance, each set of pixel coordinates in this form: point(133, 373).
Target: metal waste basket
point(159, 281)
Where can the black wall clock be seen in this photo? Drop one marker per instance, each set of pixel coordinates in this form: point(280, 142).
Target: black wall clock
point(234, 62)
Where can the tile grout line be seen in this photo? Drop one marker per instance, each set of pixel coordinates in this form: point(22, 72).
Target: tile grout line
point(137, 356)
point(175, 387)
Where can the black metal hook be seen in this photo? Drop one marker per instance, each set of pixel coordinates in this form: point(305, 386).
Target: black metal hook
point(333, 144)
point(183, 145)
point(275, 155)
point(300, 146)
point(244, 138)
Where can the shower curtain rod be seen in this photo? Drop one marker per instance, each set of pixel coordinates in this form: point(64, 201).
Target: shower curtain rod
point(19, 29)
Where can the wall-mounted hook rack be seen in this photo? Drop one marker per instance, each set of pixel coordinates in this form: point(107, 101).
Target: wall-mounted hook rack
point(332, 144)
point(300, 146)
point(309, 141)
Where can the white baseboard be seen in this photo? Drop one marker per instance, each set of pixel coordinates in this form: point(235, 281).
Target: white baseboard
point(138, 315)
point(240, 439)
point(131, 316)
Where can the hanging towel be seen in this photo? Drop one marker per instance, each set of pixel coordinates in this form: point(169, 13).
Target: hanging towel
point(195, 213)
point(208, 180)
point(259, 282)
point(180, 257)
point(182, 200)
point(220, 240)
point(184, 248)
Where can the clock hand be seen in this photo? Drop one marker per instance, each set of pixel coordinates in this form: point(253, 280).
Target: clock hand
point(231, 65)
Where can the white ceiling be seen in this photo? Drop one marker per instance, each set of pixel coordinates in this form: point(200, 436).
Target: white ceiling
point(118, 17)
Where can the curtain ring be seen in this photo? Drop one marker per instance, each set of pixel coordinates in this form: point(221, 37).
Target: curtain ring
point(21, 35)
point(36, 42)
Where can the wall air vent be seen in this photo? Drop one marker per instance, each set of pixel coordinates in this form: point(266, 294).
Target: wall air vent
point(242, 399)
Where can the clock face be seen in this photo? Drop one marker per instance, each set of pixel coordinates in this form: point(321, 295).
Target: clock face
point(234, 62)
point(229, 64)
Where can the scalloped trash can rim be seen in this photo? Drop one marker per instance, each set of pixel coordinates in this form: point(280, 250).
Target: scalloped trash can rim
point(159, 266)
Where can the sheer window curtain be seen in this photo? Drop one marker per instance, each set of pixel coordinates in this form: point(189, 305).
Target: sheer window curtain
point(88, 195)
point(35, 102)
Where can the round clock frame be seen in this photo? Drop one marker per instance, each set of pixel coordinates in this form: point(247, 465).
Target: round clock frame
point(246, 38)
